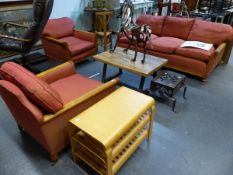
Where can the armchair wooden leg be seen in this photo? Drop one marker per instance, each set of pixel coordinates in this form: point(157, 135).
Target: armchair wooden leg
point(54, 157)
point(204, 81)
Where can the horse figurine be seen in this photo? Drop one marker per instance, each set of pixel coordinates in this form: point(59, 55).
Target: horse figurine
point(136, 34)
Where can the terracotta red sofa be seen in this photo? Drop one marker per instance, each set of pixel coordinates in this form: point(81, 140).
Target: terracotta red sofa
point(168, 33)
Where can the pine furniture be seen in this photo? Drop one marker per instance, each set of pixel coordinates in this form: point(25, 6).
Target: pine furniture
point(106, 134)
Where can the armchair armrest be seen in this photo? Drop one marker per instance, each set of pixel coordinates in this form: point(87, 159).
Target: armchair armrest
point(74, 103)
point(54, 40)
point(58, 72)
point(55, 48)
point(84, 35)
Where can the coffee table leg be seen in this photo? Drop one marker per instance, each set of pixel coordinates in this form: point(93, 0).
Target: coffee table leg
point(120, 71)
point(184, 93)
point(141, 83)
point(104, 73)
point(154, 74)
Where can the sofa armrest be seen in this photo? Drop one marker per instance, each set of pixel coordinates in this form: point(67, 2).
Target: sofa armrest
point(55, 48)
point(227, 52)
point(74, 103)
point(58, 72)
point(216, 58)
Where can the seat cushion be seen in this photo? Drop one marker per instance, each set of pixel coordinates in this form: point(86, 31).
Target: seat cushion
point(77, 46)
point(177, 27)
point(59, 28)
point(209, 32)
point(165, 44)
point(196, 53)
point(35, 89)
point(74, 86)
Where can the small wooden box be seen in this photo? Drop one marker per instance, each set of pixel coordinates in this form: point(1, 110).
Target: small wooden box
point(106, 134)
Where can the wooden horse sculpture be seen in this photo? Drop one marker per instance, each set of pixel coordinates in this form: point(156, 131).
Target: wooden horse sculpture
point(136, 34)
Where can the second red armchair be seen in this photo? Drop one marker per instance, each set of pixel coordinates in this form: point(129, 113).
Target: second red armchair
point(62, 42)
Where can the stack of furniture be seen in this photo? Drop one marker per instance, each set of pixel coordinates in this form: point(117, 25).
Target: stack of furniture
point(169, 33)
point(42, 104)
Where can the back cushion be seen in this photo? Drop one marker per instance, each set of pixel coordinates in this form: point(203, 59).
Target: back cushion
point(35, 89)
point(59, 28)
point(155, 22)
point(177, 27)
point(17, 102)
point(209, 32)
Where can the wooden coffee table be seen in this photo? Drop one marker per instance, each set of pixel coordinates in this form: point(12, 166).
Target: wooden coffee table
point(122, 60)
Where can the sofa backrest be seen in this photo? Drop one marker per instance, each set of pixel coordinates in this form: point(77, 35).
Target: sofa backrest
point(188, 29)
point(177, 27)
point(209, 32)
point(59, 28)
point(155, 22)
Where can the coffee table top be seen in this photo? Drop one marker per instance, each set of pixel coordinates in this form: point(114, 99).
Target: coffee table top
point(122, 60)
point(109, 118)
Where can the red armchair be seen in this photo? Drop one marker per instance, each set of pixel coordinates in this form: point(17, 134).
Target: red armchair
point(61, 41)
point(23, 93)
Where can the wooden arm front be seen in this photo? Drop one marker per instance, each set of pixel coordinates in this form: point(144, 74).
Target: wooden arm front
point(81, 99)
point(15, 38)
point(14, 24)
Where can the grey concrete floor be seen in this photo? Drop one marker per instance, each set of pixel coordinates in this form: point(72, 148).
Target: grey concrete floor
point(197, 140)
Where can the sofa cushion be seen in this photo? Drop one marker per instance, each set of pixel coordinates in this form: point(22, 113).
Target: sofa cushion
point(177, 27)
point(209, 32)
point(155, 22)
point(124, 39)
point(76, 45)
point(80, 86)
point(58, 28)
point(196, 53)
point(165, 44)
point(35, 89)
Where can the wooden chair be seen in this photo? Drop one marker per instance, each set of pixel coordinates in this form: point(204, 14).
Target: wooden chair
point(101, 28)
point(22, 44)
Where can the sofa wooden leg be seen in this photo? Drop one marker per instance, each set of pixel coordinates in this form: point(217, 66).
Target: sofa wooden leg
point(204, 81)
point(20, 128)
point(54, 158)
